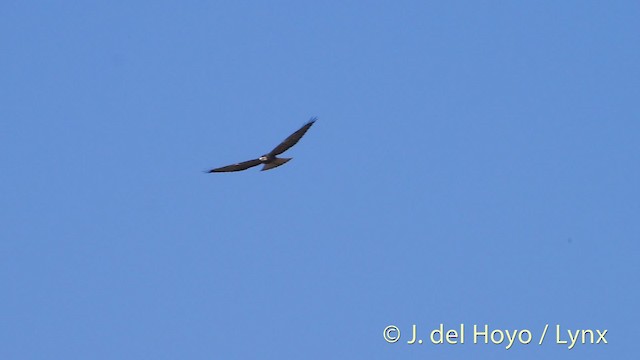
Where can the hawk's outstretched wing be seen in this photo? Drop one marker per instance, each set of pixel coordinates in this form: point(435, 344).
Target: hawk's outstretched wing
point(292, 139)
point(237, 167)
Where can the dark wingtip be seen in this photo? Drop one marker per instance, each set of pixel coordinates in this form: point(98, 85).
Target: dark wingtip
point(313, 119)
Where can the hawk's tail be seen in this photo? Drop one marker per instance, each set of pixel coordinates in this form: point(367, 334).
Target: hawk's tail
point(275, 163)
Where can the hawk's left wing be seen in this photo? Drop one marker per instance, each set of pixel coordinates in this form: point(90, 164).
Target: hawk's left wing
point(292, 139)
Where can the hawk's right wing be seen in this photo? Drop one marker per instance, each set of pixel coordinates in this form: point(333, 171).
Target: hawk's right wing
point(237, 167)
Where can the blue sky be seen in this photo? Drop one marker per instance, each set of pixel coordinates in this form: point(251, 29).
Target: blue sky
point(474, 162)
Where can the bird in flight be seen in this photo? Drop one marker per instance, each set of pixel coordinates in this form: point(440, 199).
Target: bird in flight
point(270, 160)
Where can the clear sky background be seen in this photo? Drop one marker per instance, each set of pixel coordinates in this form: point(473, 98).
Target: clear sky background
point(474, 162)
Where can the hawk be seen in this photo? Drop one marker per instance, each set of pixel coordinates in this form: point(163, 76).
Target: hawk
point(270, 160)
